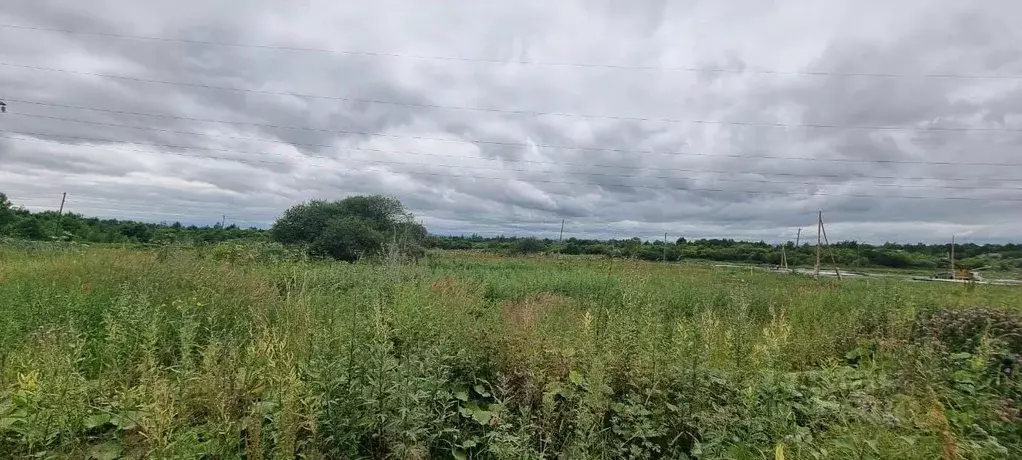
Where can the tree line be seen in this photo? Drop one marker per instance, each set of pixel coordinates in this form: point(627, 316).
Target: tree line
point(367, 226)
point(17, 222)
point(354, 228)
point(846, 253)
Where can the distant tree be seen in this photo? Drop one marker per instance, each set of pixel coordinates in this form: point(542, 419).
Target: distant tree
point(529, 246)
point(348, 238)
point(6, 211)
point(573, 247)
point(29, 228)
point(137, 231)
point(348, 229)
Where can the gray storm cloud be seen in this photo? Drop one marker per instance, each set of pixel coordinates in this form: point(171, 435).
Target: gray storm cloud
point(700, 118)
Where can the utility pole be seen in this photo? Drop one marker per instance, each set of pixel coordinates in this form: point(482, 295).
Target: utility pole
point(829, 249)
point(798, 238)
point(223, 220)
point(561, 236)
point(60, 216)
point(819, 241)
point(665, 247)
point(952, 257)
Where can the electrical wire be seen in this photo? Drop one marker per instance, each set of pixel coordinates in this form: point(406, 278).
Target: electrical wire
point(594, 184)
point(535, 113)
point(517, 144)
point(121, 209)
point(486, 168)
point(463, 167)
point(812, 73)
point(531, 113)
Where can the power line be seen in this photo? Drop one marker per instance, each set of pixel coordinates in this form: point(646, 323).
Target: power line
point(390, 162)
point(501, 229)
point(514, 160)
point(812, 73)
point(203, 206)
point(512, 144)
point(519, 112)
point(93, 208)
point(689, 189)
point(136, 210)
point(212, 213)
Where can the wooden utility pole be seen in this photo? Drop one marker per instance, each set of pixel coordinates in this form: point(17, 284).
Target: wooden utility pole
point(798, 236)
point(784, 257)
point(829, 249)
point(60, 215)
point(819, 241)
point(665, 247)
point(952, 257)
point(561, 236)
point(223, 220)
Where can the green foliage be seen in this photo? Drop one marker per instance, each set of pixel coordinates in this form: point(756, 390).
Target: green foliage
point(529, 246)
point(49, 226)
point(240, 253)
point(962, 330)
point(348, 238)
point(350, 229)
point(847, 254)
point(6, 212)
point(138, 232)
point(243, 350)
point(30, 229)
point(395, 233)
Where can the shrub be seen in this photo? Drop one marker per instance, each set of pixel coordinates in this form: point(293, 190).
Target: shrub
point(528, 246)
point(961, 329)
point(353, 228)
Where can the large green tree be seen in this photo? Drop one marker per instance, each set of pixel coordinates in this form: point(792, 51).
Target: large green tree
point(29, 228)
point(6, 212)
point(356, 227)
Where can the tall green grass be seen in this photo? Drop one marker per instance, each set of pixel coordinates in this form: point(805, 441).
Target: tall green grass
point(110, 353)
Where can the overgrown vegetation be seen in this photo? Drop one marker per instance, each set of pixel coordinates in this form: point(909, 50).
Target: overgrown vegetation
point(22, 224)
point(253, 351)
point(374, 232)
point(1003, 257)
point(350, 229)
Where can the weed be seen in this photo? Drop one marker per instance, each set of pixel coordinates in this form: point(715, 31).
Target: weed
point(250, 351)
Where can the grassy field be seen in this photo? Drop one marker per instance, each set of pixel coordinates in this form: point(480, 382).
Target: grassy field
point(111, 353)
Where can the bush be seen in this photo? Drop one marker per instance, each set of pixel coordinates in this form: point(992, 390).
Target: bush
point(30, 229)
point(961, 330)
point(528, 246)
point(348, 238)
point(350, 229)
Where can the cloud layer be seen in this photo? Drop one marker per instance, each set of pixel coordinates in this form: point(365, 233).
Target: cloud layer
point(695, 118)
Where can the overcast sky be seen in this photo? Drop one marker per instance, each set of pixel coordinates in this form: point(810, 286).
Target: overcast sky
point(712, 118)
